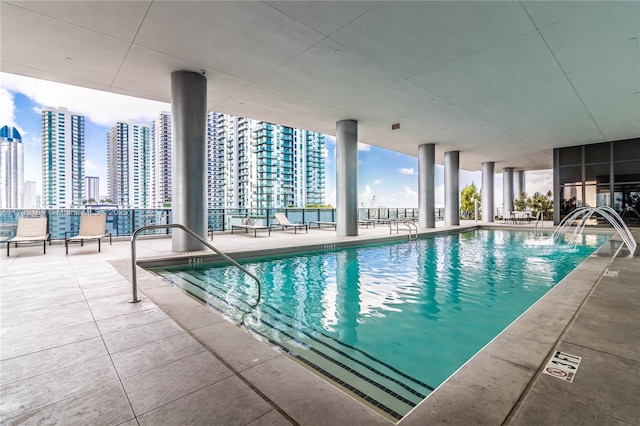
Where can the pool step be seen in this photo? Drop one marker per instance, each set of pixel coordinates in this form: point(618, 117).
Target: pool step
point(361, 374)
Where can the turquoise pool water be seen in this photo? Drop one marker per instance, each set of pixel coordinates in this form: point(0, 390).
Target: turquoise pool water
point(390, 322)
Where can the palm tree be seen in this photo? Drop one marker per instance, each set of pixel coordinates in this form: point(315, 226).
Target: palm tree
point(542, 203)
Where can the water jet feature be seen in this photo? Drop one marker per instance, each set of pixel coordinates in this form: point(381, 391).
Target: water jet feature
point(583, 214)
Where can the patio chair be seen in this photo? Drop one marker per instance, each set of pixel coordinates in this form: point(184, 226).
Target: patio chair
point(31, 229)
point(284, 223)
point(92, 227)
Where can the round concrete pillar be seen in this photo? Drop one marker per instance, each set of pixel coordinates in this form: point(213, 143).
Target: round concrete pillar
point(507, 191)
point(451, 188)
point(426, 185)
point(189, 156)
point(347, 178)
point(488, 200)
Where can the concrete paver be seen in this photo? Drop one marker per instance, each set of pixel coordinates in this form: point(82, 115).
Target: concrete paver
point(75, 351)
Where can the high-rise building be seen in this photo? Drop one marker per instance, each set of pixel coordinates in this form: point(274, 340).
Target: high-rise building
point(254, 164)
point(129, 165)
point(216, 124)
point(63, 152)
point(161, 159)
point(309, 168)
point(11, 168)
point(92, 184)
point(31, 199)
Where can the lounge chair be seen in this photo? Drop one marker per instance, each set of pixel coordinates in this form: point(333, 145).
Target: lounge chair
point(31, 229)
point(248, 224)
point(92, 227)
point(320, 223)
point(334, 225)
point(284, 223)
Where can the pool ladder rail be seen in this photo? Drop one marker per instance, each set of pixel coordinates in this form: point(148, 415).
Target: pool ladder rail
point(409, 223)
point(134, 276)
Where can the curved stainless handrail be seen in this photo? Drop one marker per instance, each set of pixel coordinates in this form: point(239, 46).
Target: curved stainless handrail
point(134, 280)
point(406, 222)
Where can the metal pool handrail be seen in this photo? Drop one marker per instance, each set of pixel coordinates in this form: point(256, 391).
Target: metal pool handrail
point(134, 279)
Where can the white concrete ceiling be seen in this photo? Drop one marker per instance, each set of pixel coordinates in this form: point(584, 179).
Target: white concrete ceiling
point(498, 81)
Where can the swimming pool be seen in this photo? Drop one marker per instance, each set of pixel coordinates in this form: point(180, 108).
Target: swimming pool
point(390, 322)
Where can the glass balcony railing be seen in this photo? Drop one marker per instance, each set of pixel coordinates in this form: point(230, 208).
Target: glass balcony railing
point(123, 222)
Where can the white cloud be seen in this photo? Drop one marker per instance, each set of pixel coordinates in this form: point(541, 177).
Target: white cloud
point(8, 111)
point(363, 147)
point(378, 181)
point(410, 197)
point(405, 198)
point(407, 171)
point(366, 198)
point(538, 181)
point(102, 108)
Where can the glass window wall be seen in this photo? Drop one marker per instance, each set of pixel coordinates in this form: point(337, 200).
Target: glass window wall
point(596, 187)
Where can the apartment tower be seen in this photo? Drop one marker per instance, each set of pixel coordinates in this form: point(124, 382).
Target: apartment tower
point(92, 188)
point(129, 171)
point(255, 164)
point(161, 160)
point(63, 158)
point(11, 168)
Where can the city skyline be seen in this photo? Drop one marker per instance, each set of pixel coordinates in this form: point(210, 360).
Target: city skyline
point(385, 178)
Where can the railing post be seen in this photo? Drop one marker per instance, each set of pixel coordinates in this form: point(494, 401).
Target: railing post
point(134, 275)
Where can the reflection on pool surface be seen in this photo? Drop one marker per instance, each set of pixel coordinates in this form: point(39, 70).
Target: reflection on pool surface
point(390, 322)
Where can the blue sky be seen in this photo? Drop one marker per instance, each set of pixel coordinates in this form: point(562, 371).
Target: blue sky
point(385, 177)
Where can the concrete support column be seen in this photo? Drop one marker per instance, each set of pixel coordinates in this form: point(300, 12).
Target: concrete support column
point(426, 185)
point(488, 200)
point(507, 191)
point(518, 183)
point(557, 194)
point(189, 156)
point(347, 178)
point(451, 188)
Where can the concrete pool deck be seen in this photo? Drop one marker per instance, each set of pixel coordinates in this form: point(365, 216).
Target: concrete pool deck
point(74, 351)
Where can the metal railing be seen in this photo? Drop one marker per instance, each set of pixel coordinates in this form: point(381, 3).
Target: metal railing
point(134, 277)
point(123, 222)
point(410, 225)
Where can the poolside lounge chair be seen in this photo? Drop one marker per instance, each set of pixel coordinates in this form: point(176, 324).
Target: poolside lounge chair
point(321, 223)
point(248, 224)
point(30, 229)
point(284, 223)
point(92, 227)
point(334, 225)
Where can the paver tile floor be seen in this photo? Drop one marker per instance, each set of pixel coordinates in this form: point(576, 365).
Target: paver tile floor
point(73, 350)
